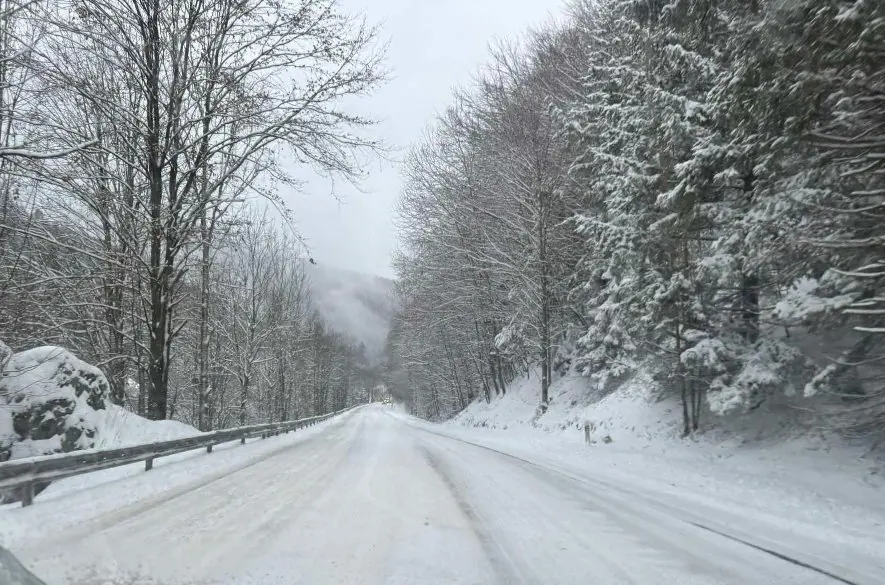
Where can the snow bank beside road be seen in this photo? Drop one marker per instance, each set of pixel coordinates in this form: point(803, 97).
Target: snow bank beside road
point(122, 428)
point(70, 502)
point(632, 420)
point(51, 402)
point(797, 482)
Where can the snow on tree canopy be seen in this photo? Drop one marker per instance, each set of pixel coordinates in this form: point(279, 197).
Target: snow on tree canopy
point(48, 403)
point(754, 372)
point(808, 297)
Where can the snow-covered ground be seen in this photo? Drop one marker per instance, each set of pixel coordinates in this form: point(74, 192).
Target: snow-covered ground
point(796, 487)
point(377, 497)
point(122, 428)
point(73, 501)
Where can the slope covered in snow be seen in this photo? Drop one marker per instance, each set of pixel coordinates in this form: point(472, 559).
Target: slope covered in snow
point(122, 428)
point(810, 481)
point(52, 402)
point(638, 415)
point(117, 427)
point(354, 304)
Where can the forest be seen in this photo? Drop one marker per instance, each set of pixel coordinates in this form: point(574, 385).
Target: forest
point(693, 190)
point(144, 147)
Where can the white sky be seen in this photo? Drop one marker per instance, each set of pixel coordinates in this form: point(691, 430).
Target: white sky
point(435, 46)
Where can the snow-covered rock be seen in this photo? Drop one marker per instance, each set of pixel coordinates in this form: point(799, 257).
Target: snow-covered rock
point(49, 400)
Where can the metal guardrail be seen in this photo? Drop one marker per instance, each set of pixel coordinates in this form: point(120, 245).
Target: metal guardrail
point(23, 474)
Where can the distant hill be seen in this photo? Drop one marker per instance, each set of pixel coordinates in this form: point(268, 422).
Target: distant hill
point(354, 304)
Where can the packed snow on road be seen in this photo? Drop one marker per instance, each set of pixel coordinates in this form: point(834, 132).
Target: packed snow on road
point(378, 497)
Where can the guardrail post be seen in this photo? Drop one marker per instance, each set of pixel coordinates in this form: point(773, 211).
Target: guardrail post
point(148, 463)
point(28, 494)
point(209, 448)
point(243, 440)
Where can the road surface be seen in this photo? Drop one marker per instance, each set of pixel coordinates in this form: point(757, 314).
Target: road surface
point(376, 499)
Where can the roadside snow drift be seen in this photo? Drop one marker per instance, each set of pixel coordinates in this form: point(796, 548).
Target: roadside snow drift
point(122, 428)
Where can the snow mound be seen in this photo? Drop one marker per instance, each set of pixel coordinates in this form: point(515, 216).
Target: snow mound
point(49, 400)
point(631, 414)
point(122, 428)
point(640, 414)
point(53, 402)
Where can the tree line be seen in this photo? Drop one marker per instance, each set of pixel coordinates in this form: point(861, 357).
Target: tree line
point(140, 141)
point(695, 190)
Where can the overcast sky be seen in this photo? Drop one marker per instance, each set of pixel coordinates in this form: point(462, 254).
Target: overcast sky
point(435, 46)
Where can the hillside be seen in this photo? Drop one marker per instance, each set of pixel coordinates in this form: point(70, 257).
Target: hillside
point(354, 304)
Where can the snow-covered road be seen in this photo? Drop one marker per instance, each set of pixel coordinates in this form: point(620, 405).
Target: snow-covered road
point(376, 498)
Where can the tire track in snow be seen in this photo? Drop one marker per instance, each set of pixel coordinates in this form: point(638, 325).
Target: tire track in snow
point(205, 526)
point(553, 532)
point(506, 568)
point(654, 504)
point(778, 555)
point(143, 506)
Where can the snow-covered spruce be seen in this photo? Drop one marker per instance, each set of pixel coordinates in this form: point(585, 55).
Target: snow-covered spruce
point(703, 183)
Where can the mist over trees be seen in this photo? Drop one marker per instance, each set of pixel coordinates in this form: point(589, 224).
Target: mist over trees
point(690, 189)
point(141, 144)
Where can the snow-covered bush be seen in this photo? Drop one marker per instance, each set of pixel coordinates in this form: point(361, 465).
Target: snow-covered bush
point(48, 402)
point(754, 374)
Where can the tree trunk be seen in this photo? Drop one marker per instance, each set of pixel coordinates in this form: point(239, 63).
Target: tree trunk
point(545, 304)
point(281, 388)
point(456, 378)
point(142, 390)
point(244, 395)
point(203, 358)
point(749, 299)
point(500, 367)
point(749, 289)
point(159, 278)
point(113, 301)
point(683, 386)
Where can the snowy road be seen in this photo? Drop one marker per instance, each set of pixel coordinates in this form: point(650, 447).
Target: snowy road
point(375, 499)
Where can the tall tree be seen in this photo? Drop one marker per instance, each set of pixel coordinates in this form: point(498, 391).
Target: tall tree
point(217, 90)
